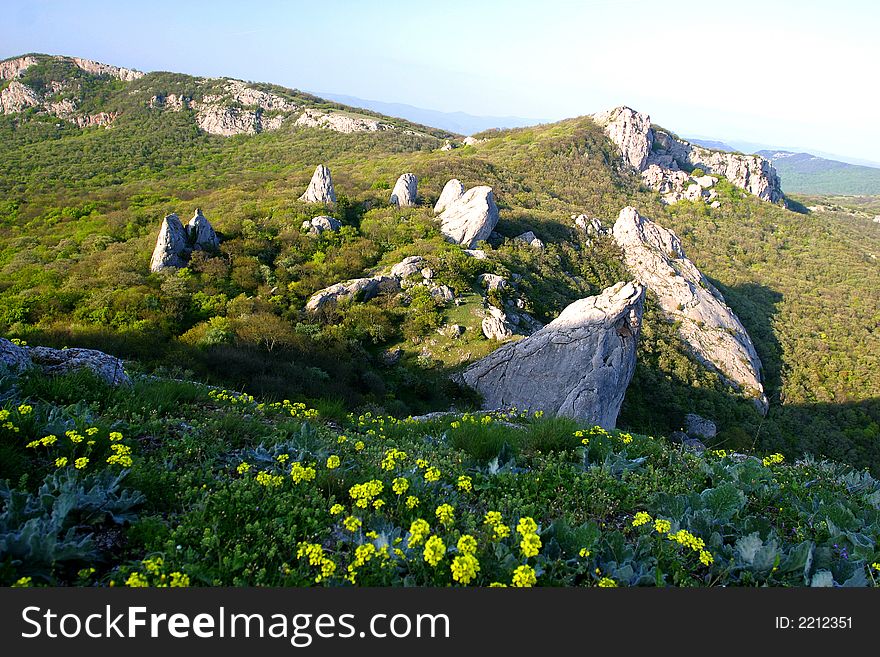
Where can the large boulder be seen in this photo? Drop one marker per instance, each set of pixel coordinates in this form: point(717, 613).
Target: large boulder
point(320, 189)
point(201, 233)
point(61, 361)
point(320, 224)
point(579, 365)
point(408, 266)
point(705, 323)
point(471, 218)
point(452, 191)
point(496, 325)
point(405, 191)
point(358, 289)
point(631, 133)
point(172, 245)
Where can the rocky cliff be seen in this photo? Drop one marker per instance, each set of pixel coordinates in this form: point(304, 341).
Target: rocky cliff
point(705, 323)
point(667, 159)
point(579, 365)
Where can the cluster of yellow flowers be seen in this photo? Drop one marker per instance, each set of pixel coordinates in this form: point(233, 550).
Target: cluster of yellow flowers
point(435, 550)
point(531, 542)
point(363, 494)
point(363, 554)
point(494, 520)
point(607, 583)
point(352, 523)
point(268, 480)
point(465, 564)
point(154, 570)
point(524, 576)
point(300, 472)
point(400, 485)
point(314, 553)
point(432, 474)
point(465, 484)
point(6, 423)
point(682, 536)
point(231, 397)
point(392, 456)
point(333, 462)
point(418, 532)
point(121, 455)
point(445, 514)
point(773, 459)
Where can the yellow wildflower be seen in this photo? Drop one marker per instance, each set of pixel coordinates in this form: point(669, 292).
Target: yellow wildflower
point(336, 509)
point(530, 545)
point(81, 463)
point(445, 514)
point(465, 484)
point(432, 474)
point(412, 502)
point(607, 583)
point(464, 568)
point(662, 526)
point(641, 518)
point(434, 551)
point(61, 462)
point(243, 468)
point(418, 531)
point(352, 523)
point(524, 577)
point(333, 462)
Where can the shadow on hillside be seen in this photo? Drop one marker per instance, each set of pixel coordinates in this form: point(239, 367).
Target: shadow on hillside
point(756, 306)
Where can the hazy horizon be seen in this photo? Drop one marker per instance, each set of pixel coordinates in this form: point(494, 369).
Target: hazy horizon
point(775, 73)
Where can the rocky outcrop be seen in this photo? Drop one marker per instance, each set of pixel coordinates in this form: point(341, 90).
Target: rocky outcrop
point(117, 72)
point(13, 68)
point(496, 325)
point(493, 282)
point(241, 109)
point(176, 242)
point(61, 361)
point(471, 218)
point(200, 233)
point(17, 97)
point(408, 266)
point(705, 323)
point(644, 146)
point(699, 427)
point(452, 191)
point(318, 225)
point(172, 245)
point(357, 289)
point(405, 191)
point(320, 189)
point(531, 239)
point(338, 122)
point(631, 132)
point(578, 366)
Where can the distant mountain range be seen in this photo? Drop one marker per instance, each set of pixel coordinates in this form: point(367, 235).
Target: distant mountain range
point(806, 173)
point(459, 122)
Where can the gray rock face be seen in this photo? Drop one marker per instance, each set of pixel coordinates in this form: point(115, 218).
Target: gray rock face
point(714, 333)
point(358, 289)
point(17, 97)
point(699, 427)
point(493, 282)
point(496, 325)
point(405, 191)
point(320, 189)
point(643, 145)
point(251, 110)
point(61, 361)
point(578, 366)
point(630, 131)
point(318, 225)
point(171, 245)
point(408, 266)
point(338, 122)
point(442, 293)
point(200, 233)
point(452, 191)
point(531, 239)
point(471, 218)
point(14, 357)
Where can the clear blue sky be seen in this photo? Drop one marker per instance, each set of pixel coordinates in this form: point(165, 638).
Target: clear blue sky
point(782, 72)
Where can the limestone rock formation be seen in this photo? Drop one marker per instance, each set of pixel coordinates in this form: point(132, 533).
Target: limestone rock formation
point(338, 122)
point(17, 97)
point(631, 132)
point(242, 109)
point(471, 218)
point(200, 233)
point(318, 225)
point(171, 245)
point(405, 191)
point(60, 361)
point(452, 191)
point(578, 366)
point(493, 282)
point(531, 239)
point(320, 189)
point(644, 146)
point(408, 266)
point(358, 289)
point(699, 427)
point(496, 325)
point(713, 332)
point(442, 293)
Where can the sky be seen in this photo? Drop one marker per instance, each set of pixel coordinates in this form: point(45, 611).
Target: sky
point(780, 72)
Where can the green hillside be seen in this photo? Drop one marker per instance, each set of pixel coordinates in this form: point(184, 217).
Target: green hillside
point(802, 173)
point(80, 209)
